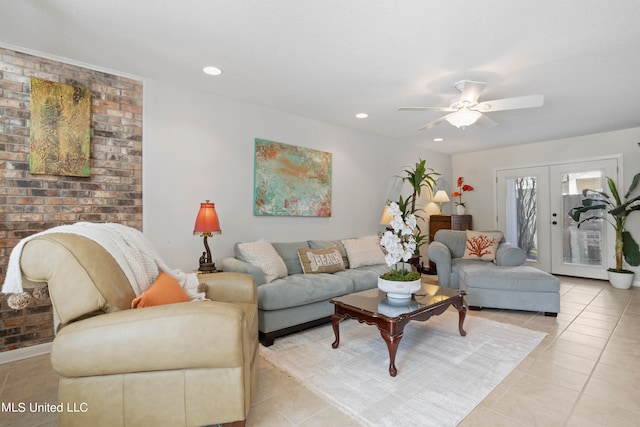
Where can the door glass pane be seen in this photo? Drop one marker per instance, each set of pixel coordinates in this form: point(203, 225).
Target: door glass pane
point(581, 245)
point(522, 214)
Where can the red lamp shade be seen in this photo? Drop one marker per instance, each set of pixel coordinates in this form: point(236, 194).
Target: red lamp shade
point(207, 220)
point(207, 224)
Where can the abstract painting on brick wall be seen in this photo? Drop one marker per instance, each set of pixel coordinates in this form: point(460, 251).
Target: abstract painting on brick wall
point(291, 181)
point(60, 129)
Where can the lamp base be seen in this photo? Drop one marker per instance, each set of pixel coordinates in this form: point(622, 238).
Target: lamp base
point(208, 267)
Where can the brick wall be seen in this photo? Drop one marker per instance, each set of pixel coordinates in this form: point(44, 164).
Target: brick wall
point(32, 203)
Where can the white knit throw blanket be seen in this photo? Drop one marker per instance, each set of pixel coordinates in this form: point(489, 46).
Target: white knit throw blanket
point(129, 247)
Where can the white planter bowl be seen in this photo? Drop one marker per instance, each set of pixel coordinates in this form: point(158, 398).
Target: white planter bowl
point(398, 290)
point(620, 280)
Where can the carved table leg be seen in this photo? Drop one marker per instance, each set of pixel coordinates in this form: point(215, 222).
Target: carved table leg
point(392, 345)
point(462, 312)
point(335, 323)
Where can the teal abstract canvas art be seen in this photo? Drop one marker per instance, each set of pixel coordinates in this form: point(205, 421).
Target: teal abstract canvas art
point(291, 180)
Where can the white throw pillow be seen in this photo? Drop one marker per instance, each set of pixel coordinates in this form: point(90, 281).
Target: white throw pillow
point(364, 251)
point(262, 254)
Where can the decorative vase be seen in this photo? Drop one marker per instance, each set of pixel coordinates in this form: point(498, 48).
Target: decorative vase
point(398, 290)
point(619, 280)
point(461, 209)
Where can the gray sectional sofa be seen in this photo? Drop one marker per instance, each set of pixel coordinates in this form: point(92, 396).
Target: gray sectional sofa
point(299, 300)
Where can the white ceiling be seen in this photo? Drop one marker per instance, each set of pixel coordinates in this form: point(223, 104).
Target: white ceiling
point(330, 59)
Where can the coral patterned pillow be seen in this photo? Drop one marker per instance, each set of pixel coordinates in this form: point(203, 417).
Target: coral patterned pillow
point(482, 245)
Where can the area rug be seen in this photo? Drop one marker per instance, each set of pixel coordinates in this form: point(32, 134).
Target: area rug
point(441, 377)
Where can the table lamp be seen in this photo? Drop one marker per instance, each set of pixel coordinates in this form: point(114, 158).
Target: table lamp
point(386, 217)
point(207, 225)
point(441, 197)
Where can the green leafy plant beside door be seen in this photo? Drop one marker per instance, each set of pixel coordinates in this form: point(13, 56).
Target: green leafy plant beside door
point(619, 210)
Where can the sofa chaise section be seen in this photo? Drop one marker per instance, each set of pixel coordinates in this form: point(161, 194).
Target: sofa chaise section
point(447, 252)
point(499, 282)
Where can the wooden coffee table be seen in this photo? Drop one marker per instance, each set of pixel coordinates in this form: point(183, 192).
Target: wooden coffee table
point(390, 316)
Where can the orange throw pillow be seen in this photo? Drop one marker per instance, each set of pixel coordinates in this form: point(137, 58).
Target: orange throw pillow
point(165, 290)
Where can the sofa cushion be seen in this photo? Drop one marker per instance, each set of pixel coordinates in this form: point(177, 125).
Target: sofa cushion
point(482, 245)
point(289, 254)
point(314, 261)
point(364, 251)
point(323, 244)
point(365, 277)
point(521, 278)
point(302, 289)
point(164, 290)
point(262, 254)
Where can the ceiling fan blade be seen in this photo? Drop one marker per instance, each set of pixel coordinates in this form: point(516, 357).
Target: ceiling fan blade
point(426, 109)
point(470, 91)
point(486, 122)
point(529, 101)
point(433, 123)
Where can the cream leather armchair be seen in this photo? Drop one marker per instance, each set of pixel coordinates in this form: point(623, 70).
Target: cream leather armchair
point(184, 364)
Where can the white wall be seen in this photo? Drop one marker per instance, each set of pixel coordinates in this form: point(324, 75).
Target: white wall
point(479, 168)
point(197, 146)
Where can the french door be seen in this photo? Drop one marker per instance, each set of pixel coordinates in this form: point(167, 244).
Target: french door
point(532, 211)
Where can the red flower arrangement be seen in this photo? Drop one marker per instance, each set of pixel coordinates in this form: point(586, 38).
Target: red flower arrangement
point(462, 187)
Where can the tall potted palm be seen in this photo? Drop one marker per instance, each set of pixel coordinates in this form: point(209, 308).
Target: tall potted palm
point(619, 210)
point(403, 238)
point(419, 177)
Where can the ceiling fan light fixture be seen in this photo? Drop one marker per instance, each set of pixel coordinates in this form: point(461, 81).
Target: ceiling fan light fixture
point(463, 118)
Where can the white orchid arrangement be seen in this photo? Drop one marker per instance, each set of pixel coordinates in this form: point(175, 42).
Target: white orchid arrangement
point(399, 244)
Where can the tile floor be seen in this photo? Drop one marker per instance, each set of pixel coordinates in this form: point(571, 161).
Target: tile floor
point(584, 373)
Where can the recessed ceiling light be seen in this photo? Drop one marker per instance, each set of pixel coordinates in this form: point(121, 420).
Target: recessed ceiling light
point(362, 115)
point(212, 71)
point(438, 139)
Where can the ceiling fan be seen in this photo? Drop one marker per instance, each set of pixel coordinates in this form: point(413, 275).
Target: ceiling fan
point(467, 110)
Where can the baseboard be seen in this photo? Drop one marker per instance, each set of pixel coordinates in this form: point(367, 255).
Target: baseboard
point(24, 353)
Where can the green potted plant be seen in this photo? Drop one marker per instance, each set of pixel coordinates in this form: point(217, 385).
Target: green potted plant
point(619, 210)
